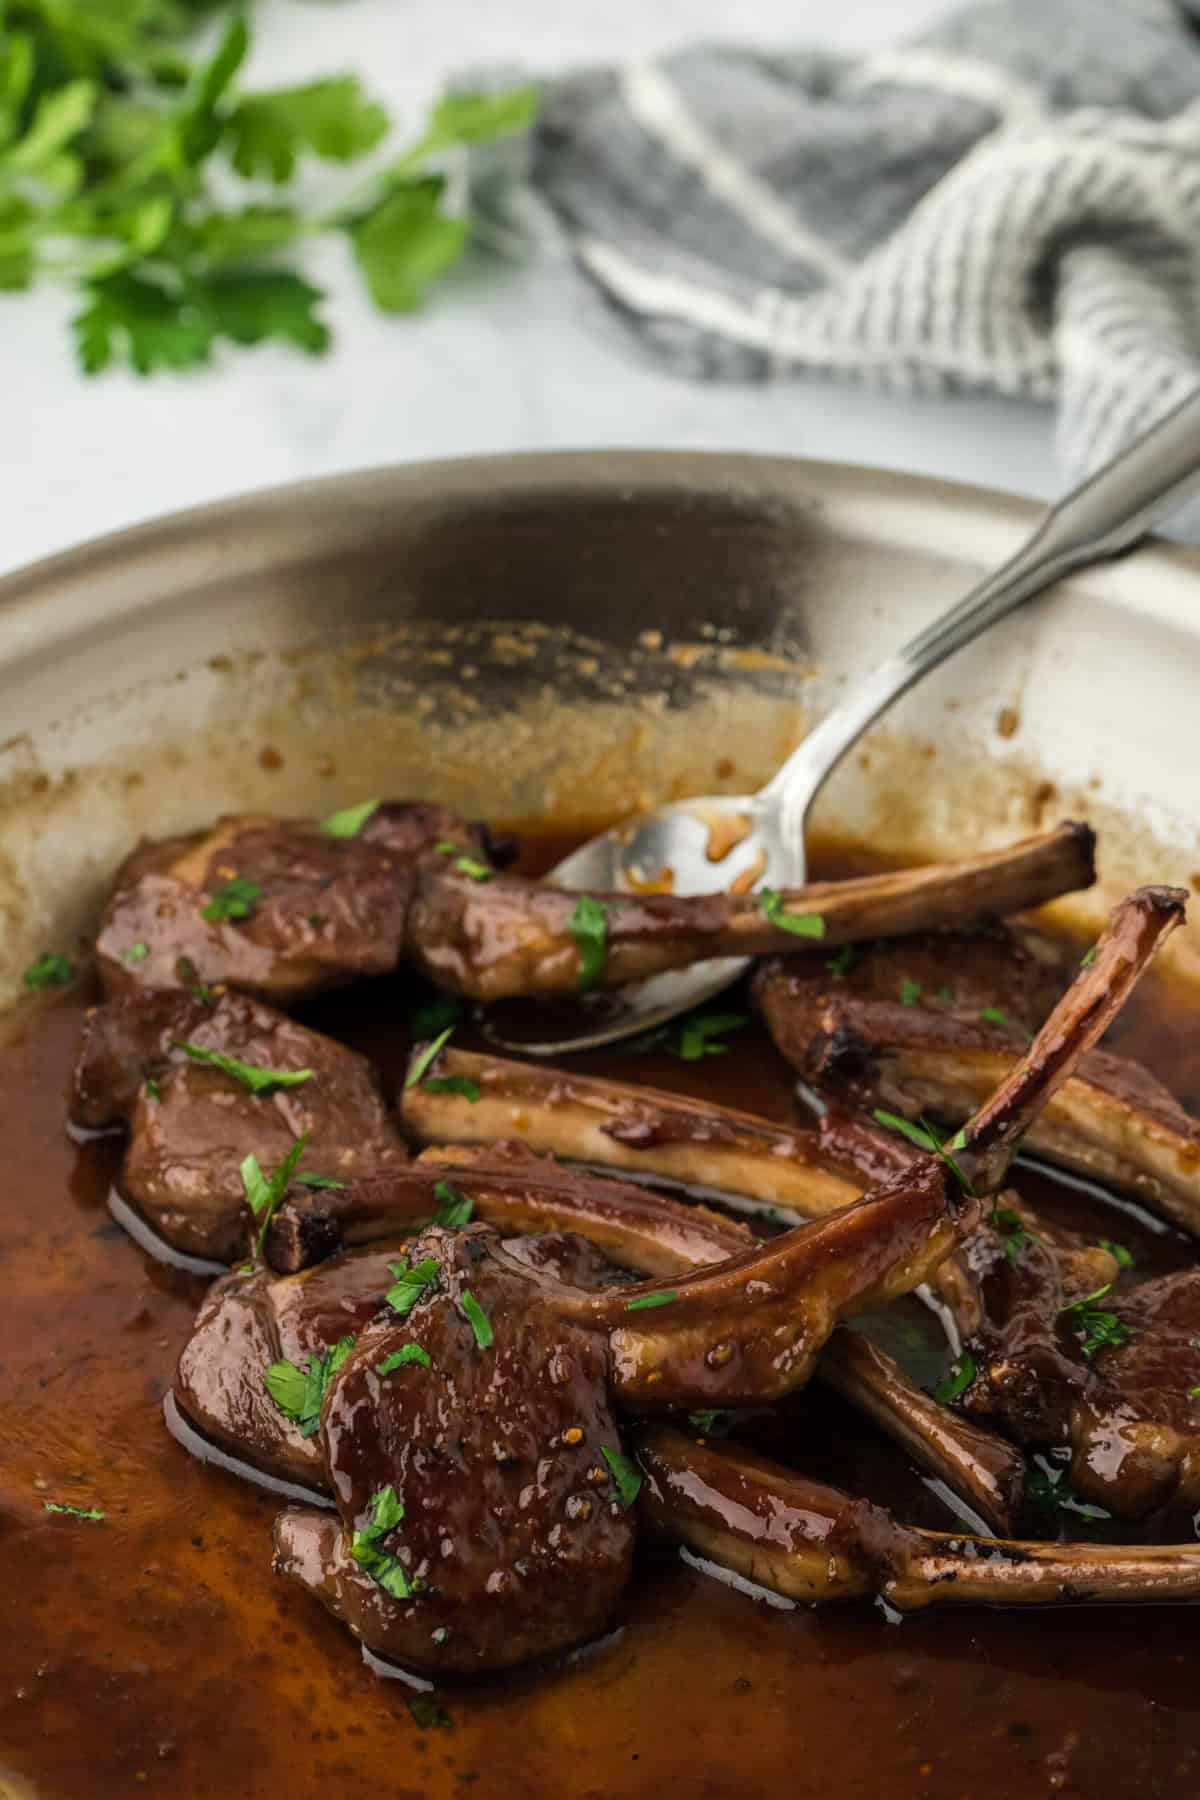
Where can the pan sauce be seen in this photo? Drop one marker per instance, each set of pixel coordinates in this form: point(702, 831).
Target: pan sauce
point(156, 1652)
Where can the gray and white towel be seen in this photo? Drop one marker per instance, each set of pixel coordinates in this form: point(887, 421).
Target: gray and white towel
point(1011, 201)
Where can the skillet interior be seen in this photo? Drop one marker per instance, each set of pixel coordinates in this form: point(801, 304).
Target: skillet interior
point(303, 649)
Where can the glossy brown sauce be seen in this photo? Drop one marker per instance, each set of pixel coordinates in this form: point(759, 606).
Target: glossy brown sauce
point(156, 1652)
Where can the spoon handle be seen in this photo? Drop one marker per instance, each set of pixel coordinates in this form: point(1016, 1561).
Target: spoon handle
point(1108, 513)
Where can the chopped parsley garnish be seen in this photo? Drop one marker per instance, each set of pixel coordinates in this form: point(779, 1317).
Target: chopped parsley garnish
point(926, 1138)
point(251, 1075)
point(453, 1084)
point(153, 1090)
point(266, 1196)
point(710, 1421)
point(945, 995)
point(298, 1393)
point(95, 1513)
point(588, 925)
point(411, 1283)
point(454, 1208)
point(695, 1037)
point(1123, 1257)
point(1192, 1392)
point(1047, 1487)
point(399, 1359)
point(236, 900)
point(479, 1322)
point(957, 1380)
point(188, 976)
point(429, 1714)
point(626, 1474)
point(386, 1513)
point(992, 1015)
point(464, 864)
point(1087, 959)
point(1013, 1235)
point(1102, 1330)
point(428, 1021)
point(350, 821)
point(910, 993)
point(426, 1055)
point(645, 1301)
point(842, 963)
point(50, 970)
point(306, 1178)
point(809, 925)
point(136, 953)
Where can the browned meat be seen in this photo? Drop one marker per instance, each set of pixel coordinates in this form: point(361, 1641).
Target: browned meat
point(1135, 1428)
point(505, 938)
point(278, 907)
point(193, 1124)
point(249, 1321)
point(814, 1544)
point(488, 1522)
point(994, 965)
point(1113, 1121)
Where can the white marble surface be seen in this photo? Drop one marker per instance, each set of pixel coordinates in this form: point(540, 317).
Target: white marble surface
point(500, 360)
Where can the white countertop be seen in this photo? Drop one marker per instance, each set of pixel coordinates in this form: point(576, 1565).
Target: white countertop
point(500, 360)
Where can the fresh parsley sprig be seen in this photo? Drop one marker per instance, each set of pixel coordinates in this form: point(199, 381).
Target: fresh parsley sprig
point(298, 1393)
point(136, 172)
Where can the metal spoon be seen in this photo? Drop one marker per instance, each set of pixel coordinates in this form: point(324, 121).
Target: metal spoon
point(707, 843)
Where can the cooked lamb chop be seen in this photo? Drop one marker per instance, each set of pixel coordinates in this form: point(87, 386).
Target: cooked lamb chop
point(148, 1059)
point(509, 938)
point(813, 1543)
point(1113, 1121)
point(658, 1237)
point(278, 907)
point(481, 1517)
point(281, 908)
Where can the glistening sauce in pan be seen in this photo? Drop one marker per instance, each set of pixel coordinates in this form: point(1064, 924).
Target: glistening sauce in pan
point(156, 1653)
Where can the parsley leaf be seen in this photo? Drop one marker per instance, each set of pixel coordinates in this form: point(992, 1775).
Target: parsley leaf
point(910, 993)
point(455, 1208)
point(50, 970)
point(710, 1421)
point(841, 964)
point(961, 1374)
point(1123, 1257)
point(410, 1284)
point(926, 1138)
point(406, 242)
point(644, 1302)
point(386, 1512)
point(426, 1056)
point(429, 1714)
point(1046, 1487)
point(235, 900)
point(588, 925)
point(306, 1178)
point(429, 1020)
point(266, 1196)
point(809, 925)
point(398, 1359)
point(95, 1513)
point(298, 1393)
point(252, 1076)
point(136, 953)
point(694, 1037)
point(626, 1475)
point(1013, 1235)
point(332, 118)
point(1101, 1329)
point(453, 1084)
point(350, 821)
point(479, 1322)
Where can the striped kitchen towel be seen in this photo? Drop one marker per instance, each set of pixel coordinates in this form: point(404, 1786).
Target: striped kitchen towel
point(1011, 201)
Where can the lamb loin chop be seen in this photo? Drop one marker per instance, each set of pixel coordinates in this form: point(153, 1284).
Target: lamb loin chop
point(813, 1543)
point(205, 1083)
point(454, 1463)
point(1114, 1121)
point(284, 907)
